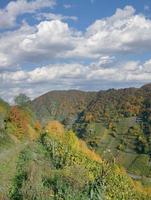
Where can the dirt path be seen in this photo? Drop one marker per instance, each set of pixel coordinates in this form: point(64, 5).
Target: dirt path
point(8, 158)
point(4, 155)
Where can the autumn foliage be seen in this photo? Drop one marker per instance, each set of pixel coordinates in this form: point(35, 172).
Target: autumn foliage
point(37, 126)
point(55, 127)
point(20, 121)
point(20, 124)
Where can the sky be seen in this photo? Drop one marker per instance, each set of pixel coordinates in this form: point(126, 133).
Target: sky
point(73, 44)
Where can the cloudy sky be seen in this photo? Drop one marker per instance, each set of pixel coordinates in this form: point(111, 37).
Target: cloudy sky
point(72, 44)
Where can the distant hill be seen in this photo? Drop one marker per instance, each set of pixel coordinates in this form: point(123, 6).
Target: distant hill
point(72, 105)
point(146, 87)
point(61, 105)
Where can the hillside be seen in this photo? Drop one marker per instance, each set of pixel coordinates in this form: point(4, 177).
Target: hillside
point(60, 166)
point(61, 105)
point(17, 128)
point(114, 121)
point(52, 163)
point(117, 123)
point(110, 158)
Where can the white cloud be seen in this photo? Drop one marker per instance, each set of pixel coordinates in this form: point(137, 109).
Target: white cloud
point(10, 52)
point(53, 41)
point(74, 75)
point(67, 6)
point(129, 71)
point(124, 32)
point(47, 40)
point(52, 16)
point(105, 61)
point(9, 14)
point(43, 74)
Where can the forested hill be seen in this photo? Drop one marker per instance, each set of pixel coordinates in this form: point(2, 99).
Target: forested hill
point(61, 105)
point(67, 106)
point(118, 121)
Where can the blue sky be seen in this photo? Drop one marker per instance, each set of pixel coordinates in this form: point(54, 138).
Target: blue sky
point(63, 44)
point(90, 10)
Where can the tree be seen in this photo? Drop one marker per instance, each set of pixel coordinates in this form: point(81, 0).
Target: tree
point(19, 120)
point(37, 126)
point(22, 100)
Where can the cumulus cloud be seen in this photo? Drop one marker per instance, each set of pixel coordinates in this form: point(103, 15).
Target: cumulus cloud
point(50, 39)
point(10, 52)
point(40, 80)
point(73, 75)
point(81, 60)
point(13, 9)
point(47, 40)
point(124, 32)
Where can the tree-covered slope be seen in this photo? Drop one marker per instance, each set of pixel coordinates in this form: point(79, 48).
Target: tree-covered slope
point(52, 163)
point(61, 105)
point(118, 121)
point(60, 166)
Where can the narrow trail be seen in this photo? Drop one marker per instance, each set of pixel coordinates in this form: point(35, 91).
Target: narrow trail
point(5, 154)
point(8, 158)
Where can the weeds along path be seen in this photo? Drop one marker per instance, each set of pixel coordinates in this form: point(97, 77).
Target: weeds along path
point(7, 153)
point(8, 158)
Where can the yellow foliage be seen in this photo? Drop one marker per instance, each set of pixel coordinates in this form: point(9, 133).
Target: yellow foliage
point(55, 127)
point(71, 139)
point(37, 126)
point(33, 134)
point(142, 189)
point(89, 117)
point(137, 184)
point(81, 146)
point(120, 170)
point(2, 109)
point(91, 154)
point(19, 120)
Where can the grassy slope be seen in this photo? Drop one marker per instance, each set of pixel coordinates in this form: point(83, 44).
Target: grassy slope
point(10, 145)
point(8, 160)
point(107, 146)
point(60, 167)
